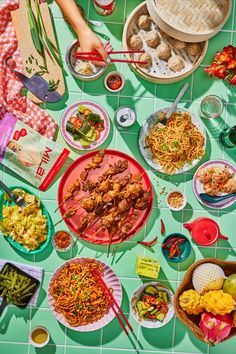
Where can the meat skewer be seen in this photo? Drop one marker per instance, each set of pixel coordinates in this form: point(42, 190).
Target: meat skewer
point(96, 162)
point(109, 200)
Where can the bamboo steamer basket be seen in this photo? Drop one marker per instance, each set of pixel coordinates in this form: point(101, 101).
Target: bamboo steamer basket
point(192, 20)
point(192, 321)
point(140, 9)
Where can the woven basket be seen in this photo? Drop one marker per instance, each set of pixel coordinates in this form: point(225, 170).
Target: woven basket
point(192, 321)
point(192, 20)
point(128, 30)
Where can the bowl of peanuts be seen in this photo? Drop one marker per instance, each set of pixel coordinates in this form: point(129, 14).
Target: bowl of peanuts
point(176, 200)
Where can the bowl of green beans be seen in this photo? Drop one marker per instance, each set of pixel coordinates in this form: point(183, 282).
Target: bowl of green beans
point(16, 286)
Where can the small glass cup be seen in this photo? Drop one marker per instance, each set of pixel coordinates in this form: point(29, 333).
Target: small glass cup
point(211, 106)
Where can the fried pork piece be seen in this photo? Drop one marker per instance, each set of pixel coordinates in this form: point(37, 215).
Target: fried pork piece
point(96, 161)
point(104, 186)
point(118, 167)
point(125, 180)
point(89, 186)
point(132, 191)
point(124, 205)
point(84, 175)
point(85, 221)
point(142, 202)
point(109, 196)
point(88, 204)
point(125, 229)
point(108, 220)
point(75, 186)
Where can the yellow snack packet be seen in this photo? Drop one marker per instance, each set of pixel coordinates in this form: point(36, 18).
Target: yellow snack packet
point(147, 267)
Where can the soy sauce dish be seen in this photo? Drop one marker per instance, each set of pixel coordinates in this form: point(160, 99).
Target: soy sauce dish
point(114, 81)
point(39, 337)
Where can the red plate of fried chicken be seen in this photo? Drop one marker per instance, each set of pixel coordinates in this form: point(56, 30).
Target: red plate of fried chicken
point(105, 197)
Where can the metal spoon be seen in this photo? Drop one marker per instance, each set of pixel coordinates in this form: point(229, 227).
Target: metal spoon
point(210, 199)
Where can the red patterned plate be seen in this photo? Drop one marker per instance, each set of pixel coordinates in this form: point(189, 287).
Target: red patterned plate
point(73, 172)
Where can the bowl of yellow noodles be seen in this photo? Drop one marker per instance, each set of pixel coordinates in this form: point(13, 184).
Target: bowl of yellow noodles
point(174, 145)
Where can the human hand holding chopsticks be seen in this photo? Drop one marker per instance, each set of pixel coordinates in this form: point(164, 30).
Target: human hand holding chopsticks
point(95, 56)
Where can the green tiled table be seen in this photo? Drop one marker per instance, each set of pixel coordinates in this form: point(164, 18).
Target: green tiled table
point(144, 97)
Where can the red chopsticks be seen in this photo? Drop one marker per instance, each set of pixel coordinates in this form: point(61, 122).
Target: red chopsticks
point(112, 301)
point(95, 56)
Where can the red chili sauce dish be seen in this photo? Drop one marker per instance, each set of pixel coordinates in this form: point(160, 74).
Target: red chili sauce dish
point(114, 81)
point(62, 241)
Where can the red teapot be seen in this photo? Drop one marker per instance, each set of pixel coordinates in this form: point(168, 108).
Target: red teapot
point(204, 231)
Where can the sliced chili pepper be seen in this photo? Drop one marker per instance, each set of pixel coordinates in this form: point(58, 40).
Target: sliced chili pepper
point(100, 126)
point(163, 230)
point(181, 240)
point(148, 243)
point(170, 241)
point(178, 251)
point(73, 119)
point(98, 134)
point(173, 253)
point(150, 316)
point(78, 123)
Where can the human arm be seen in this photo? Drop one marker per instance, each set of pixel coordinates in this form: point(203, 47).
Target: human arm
point(89, 41)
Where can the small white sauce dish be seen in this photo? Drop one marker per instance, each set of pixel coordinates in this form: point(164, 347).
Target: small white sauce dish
point(172, 200)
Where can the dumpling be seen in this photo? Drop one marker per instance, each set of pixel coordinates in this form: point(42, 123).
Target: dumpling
point(85, 68)
point(176, 63)
point(135, 42)
point(163, 51)
point(194, 49)
point(177, 44)
point(230, 186)
point(145, 57)
point(152, 39)
point(144, 22)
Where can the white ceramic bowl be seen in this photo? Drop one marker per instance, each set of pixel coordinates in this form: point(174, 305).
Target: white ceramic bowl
point(151, 323)
point(39, 345)
point(71, 63)
point(114, 73)
point(184, 200)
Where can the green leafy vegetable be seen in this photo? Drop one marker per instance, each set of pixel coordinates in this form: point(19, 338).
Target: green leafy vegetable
point(53, 85)
point(34, 30)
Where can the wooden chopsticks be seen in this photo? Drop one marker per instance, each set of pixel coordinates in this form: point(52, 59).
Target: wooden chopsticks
point(112, 301)
point(95, 56)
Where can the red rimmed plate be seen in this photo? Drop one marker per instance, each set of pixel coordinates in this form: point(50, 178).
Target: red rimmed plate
point(71, 111)
point(73, 172)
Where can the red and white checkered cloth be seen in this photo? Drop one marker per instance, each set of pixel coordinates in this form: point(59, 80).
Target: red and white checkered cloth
point(10, 86)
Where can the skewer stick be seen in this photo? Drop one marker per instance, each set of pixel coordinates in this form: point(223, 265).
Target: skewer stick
point(63, 202)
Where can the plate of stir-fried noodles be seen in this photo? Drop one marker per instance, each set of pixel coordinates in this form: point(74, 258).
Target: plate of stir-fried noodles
point(77, 300)
point(175, 146)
